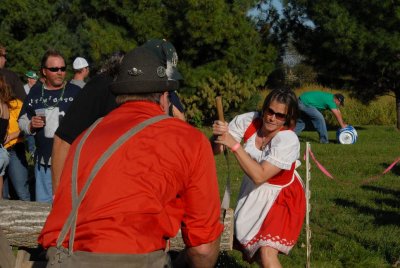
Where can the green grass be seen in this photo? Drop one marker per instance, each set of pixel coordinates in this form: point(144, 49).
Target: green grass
point(355, 217)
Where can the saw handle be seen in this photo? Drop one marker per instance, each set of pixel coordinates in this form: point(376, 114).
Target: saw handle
point(220, 109)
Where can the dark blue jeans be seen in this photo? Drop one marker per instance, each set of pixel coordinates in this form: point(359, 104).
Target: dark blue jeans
point(17, 173)
point(317, 119)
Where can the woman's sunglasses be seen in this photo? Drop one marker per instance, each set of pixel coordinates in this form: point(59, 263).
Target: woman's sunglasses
point(278, 116)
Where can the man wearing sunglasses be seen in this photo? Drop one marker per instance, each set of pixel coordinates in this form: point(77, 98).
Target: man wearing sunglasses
point(41, 113)
point(11, 78)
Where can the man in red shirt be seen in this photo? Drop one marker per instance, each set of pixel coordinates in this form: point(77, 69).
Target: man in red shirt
point(120, 211)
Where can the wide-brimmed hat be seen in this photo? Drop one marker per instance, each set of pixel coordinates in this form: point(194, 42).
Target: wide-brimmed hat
point(149, 68)
point(31, 74)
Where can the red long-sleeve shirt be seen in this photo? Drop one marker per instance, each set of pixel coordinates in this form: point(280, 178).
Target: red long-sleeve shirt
point(159, 181)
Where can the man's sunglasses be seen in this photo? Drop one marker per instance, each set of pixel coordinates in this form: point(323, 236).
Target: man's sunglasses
point(278, 116)
point(56, 69)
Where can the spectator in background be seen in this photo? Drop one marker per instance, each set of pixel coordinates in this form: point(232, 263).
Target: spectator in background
point(5, 97)
point(32, 78)
point(11, 78)
point(311, 104)
point(93, 102)
point(81, 71)
point(16, 177)
point(51, 99)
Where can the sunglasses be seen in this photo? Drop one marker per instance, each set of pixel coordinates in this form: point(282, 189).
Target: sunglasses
point(278, 116)
point(56, 69)
point(3, 55)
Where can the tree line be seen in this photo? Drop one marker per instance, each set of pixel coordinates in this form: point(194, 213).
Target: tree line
point(222, 49)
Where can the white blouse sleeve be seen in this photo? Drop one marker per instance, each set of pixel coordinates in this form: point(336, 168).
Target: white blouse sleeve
point(239, 125)
point(284, 149)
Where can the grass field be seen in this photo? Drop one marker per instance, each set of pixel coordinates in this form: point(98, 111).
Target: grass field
point(355, 217)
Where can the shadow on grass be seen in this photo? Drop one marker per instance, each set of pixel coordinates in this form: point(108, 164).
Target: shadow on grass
point(381, 217)
point(225, 260)
point(382, 190)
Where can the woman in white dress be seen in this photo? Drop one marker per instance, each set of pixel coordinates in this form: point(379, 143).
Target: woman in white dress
point(271, 206)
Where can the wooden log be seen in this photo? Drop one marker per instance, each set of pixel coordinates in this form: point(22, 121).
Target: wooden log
point(7, 259)
point(21, 223)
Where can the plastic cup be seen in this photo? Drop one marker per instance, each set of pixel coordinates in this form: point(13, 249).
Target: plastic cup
point(41, 113)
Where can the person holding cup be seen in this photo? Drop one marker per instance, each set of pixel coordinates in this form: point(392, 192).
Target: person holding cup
point(43, 108)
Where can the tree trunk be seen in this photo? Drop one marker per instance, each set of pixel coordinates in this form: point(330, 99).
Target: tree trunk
point(397, 94)
point(21, 223)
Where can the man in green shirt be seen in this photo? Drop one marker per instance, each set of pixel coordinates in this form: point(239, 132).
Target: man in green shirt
point(311, 104)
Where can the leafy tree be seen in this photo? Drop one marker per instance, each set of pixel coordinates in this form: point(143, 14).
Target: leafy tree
point(358, 41)
point(215, 39)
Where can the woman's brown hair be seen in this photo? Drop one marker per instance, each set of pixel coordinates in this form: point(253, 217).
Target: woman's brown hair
point(287, 97)
point(6, 94)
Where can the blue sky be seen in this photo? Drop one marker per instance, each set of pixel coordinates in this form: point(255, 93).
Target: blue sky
point(276, 3)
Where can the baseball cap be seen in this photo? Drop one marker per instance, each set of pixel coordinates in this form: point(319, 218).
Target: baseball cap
point(340, 98)
point(31, 74)
point(79, 63)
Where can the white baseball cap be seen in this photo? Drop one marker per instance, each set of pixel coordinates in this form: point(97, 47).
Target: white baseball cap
point(79, 63)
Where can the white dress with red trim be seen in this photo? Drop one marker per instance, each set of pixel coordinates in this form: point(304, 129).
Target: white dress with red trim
point(271, 214)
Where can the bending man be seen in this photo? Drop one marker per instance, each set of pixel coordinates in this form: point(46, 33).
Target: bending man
point(311, 104)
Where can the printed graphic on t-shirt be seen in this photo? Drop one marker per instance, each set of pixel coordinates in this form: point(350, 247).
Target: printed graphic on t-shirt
point(50, 100)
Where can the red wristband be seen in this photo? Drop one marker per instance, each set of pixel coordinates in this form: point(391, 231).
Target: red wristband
point(235, 147)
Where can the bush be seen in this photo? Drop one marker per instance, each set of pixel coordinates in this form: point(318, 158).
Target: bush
point(237, 96)
point(241, 96)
